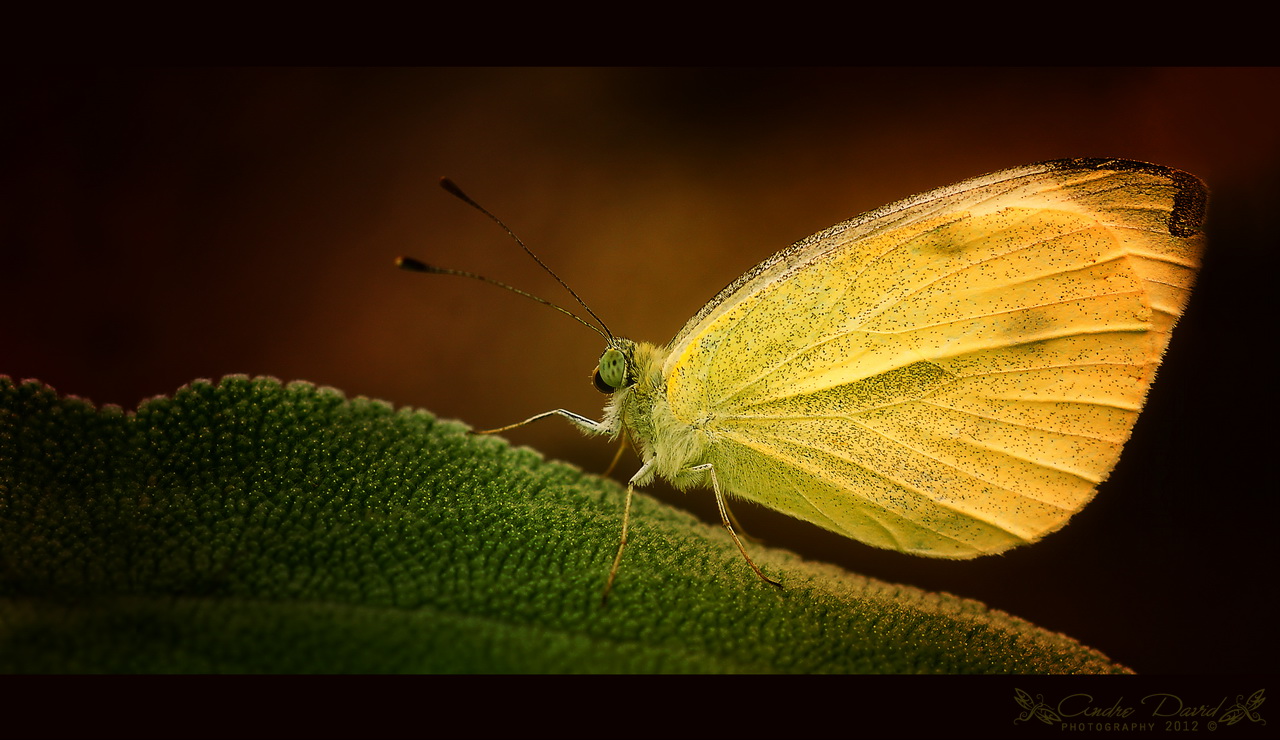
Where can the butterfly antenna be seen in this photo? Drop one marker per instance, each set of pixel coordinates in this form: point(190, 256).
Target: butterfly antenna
point(456, 191)
point(412, 265)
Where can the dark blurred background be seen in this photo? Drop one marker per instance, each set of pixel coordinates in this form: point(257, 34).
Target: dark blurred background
point(162, 225)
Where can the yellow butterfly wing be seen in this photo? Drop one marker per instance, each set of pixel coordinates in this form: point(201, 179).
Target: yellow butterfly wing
point(954, 374)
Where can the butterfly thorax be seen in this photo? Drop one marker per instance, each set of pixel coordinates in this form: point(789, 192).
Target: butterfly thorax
point(642, 410)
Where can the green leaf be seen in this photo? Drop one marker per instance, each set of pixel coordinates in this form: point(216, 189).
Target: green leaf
point(253, 527)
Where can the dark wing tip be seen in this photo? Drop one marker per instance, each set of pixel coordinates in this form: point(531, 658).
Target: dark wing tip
point(1190, 200)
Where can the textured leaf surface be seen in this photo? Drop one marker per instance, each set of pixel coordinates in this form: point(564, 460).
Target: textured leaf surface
point(250, 526)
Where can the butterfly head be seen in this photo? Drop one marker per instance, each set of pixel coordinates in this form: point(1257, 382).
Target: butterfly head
point(616, 369)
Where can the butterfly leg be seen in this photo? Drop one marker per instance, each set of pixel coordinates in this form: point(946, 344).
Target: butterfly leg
point(622, 447)
point(724, 519)
point(737, 527)
point(626, 521)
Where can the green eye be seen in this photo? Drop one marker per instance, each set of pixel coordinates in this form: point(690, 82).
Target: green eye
point(612, 371)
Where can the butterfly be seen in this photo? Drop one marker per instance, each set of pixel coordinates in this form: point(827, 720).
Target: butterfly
point(951, 375)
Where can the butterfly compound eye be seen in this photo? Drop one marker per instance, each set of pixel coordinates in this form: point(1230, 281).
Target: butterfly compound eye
point(612, 371)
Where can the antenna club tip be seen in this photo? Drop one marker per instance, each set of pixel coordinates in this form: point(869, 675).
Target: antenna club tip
point(411, 264)
point(453, 188)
